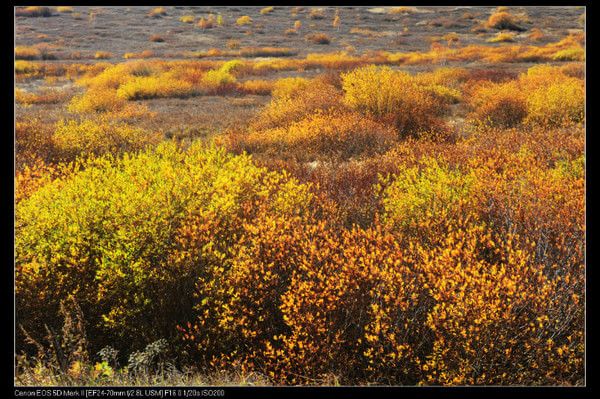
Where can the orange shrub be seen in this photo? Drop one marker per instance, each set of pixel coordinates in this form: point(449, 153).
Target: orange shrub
point(536, 35)
point(481, 300)
point(503, 20)
point(157, 39)
point(499, 104)
point(322, 136)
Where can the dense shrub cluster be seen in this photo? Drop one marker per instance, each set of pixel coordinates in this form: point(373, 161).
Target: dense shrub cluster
point(543, 95)
point(372, 236)
point(132, 236)
point(466, 252)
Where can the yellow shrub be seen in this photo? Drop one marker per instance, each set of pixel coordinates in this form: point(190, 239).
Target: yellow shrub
point(553, 98)
point(187, 19)
point(259, 87)
point(392, 95)
point(157, 12)
point(216, 81)
point(129, 237)
point(402, 10)
point(295, 104)
point(91, 137)
point(323, 136)
point(558, 104)
point(433, 191)
point(244, 20)
point(289, 87)
point(571, 54)
point(144, 87)
point(267, 10)
point(96, 100)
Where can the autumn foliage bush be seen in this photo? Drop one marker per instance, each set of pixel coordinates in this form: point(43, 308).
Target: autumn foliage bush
point(503, 20)
point(322, 136)
point(96, 137)
point(120, 221)
point(349, 235)
point(394, 96)
point(544, 95)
